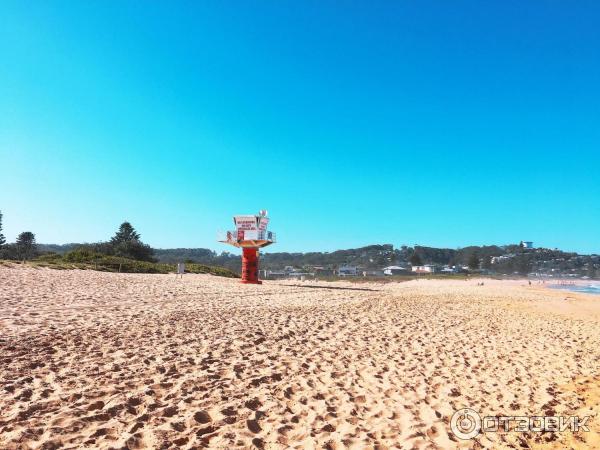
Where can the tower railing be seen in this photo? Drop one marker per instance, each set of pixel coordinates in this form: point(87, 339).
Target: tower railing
point(232, 236)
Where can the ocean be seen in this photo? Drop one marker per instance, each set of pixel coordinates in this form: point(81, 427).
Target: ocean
point(592, 288)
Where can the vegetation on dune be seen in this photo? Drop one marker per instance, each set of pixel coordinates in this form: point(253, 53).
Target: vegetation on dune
point(83, 258)
point(25, 248)
point(126, 243)
point(125, 252)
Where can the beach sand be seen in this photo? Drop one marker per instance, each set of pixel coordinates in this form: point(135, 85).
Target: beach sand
point(103, 360)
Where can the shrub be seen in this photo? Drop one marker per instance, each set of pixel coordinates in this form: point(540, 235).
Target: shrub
point(49, 257)
point(134, 250)
point(82, 254)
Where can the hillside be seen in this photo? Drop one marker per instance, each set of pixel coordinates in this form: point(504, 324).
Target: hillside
point(506, 259)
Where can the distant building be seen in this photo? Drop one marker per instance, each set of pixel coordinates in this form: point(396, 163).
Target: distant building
point(373, 273)
point(526, 244)
point(428, 268)
point(347, 271)
point(394, 270)
point(323, 271)
point(499, 259)
point(273, 274)
point(301, 275)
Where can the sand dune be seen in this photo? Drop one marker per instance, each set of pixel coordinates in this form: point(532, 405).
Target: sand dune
point(99, 360)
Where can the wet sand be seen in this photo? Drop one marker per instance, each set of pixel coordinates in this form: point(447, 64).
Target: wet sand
point(101, 360)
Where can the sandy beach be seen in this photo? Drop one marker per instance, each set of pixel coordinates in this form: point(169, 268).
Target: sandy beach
point(105, 360)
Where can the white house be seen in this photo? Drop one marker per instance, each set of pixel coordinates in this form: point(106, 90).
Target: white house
point(499, 259)
point(394, 270)
point(273, 274)
point(301, 275)
point(428, 268)
point(373, 273)
point(526, 244)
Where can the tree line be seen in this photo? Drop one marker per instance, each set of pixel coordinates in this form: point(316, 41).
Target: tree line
point(125, 243)
point(23, 248)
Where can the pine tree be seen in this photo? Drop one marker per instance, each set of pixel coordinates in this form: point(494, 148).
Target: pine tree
point(2, 238)
point(126, 233)
point(26, 246)
point(126, 243)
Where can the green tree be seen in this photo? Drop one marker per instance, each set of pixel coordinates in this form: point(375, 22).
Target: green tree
point(126, 243)
point(473, 261)
point(2, 238)
point(125, 233)
point(26, 246)
point(487, 263)
point(135, 250)
point(415, 260)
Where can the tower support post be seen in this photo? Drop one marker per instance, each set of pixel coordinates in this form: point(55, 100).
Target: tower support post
point(250, 265)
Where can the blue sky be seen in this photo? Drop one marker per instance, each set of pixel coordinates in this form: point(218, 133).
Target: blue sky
point(437, 123)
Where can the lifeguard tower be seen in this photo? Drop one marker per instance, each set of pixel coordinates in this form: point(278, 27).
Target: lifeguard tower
point(250, 235)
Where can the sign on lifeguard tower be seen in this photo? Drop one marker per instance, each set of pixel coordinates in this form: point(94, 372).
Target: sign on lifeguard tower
point(250, 235)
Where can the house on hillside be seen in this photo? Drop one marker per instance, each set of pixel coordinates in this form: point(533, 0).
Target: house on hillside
point(372, 273)
point(273, 274)
point(300, 275)
point(500, 259)
point(427, 268)
point(394, 270)
point(347, 271)
point(323, 271)
point(526, 244)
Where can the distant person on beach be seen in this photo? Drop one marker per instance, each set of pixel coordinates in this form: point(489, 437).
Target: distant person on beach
point(180, 269)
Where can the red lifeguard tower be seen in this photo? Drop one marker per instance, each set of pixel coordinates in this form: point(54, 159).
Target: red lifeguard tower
point(250, 235)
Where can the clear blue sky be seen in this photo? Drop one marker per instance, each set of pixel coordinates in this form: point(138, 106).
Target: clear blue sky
point(437, 123)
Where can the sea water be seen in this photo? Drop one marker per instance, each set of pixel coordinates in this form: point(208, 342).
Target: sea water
point(587, 289)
